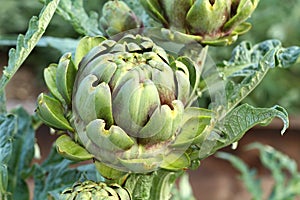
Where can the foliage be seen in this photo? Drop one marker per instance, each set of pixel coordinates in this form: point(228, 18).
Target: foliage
point(284, 171)
point(25, 44)
point(279, 22)
point(235, 79)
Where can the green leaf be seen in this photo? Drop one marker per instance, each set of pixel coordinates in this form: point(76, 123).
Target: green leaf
point(236, 123)
point(249, 64)
point(8, 129)
point(22, 155)
point(73, 11)
point(25, 44)
point(244, 117)
point(63, 45)
point(284, 171)
point(285, 187)
point(248, 176)
point(54, 175)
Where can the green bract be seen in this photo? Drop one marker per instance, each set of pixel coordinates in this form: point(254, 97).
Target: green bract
point(130, 106)
point(213, 22)
point(90, 190)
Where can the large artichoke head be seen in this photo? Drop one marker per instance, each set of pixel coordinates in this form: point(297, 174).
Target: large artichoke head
point(213, 22)
point(130, 107)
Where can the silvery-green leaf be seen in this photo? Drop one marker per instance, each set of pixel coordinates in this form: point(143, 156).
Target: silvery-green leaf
point(244, 117)
point(25, 44)
point(247, 175)
point(8, 129)
point(249, 64)
point(75, 13)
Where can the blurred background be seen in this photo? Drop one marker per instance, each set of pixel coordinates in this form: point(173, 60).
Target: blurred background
point(216, 178)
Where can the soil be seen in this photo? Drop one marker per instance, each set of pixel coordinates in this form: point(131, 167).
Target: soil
point(216, 179)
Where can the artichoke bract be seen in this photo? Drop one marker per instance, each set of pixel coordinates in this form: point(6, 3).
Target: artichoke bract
point(131, 106)
point(213, 22)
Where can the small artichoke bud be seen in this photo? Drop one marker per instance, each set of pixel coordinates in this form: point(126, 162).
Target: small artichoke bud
point(117, 17)
point(213, 22)
point(89, 190)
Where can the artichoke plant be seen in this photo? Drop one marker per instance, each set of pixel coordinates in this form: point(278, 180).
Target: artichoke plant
point(126, 104)
point(213, 22)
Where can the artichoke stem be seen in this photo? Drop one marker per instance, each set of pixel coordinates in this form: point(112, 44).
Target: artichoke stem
point(153, 186)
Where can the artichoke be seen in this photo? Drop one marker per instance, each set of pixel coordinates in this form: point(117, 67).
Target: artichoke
point(89, 190)
point(117, 17)
point(213, 22)
point(126, 104)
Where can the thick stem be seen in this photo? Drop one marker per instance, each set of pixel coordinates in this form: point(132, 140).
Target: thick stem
point(153, 186)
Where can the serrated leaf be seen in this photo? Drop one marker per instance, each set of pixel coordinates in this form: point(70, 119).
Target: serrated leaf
point(8, 129)
point(244, 117)
point(22, 155)
point(283, 170)
point(73, 11)
point(278, 163)
point(55, 174)
point(249, 65)
point(63, 45)
point(25, 44)
point(236, 123)
point(248, 176)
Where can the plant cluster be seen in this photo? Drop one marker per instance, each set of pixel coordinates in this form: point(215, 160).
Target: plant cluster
point(137, 96)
